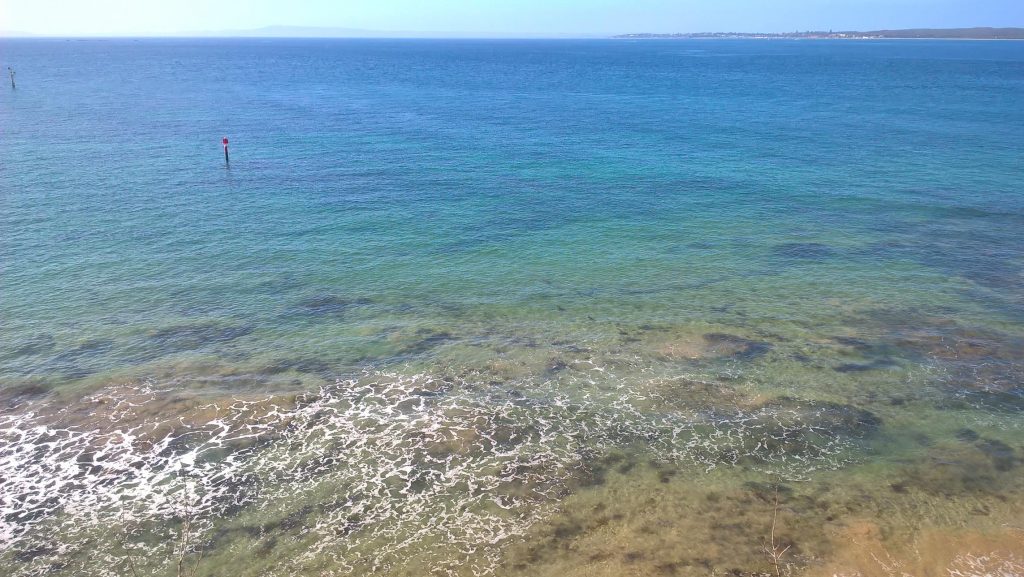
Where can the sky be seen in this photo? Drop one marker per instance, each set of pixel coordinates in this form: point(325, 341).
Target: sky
point(501, 17)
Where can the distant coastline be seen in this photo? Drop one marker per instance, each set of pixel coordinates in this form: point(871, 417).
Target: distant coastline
point(907, 34)
point(324, 32)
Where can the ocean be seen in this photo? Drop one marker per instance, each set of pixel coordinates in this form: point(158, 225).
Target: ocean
point(500, 307)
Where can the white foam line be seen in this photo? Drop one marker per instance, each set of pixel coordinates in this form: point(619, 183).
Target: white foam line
point(447, 478)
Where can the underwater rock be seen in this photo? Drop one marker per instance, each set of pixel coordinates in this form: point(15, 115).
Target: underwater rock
point(726, 345)
point(846, 419)
point(977, 367)
point(960, 344)
point(683, 393)
point(940, 339)
point(834, 418)
point(782, 435)
point(706, 346)
point(977, 465)
point(301, 365)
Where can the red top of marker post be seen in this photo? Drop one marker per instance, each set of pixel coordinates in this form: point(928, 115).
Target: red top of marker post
point(225, 141)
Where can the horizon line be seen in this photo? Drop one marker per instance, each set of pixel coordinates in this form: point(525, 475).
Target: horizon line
point(332, 32)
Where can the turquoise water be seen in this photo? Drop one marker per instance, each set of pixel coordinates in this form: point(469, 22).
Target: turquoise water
point(633, 244)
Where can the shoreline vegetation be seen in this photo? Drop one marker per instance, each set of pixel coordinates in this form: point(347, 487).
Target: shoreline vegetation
point(907, 34)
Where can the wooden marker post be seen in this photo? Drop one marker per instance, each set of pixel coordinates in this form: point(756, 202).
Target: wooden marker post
point(227, 159)
point(11, 71)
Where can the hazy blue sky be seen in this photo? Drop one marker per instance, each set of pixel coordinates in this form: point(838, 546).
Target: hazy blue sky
point(507, 16)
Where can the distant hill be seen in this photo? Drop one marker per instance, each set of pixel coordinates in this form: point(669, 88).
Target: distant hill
point(913, 33)
point(953, 33)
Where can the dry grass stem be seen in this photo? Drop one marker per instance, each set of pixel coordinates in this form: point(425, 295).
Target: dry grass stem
point(178, 552)
point(123, 537)
point(773, 551)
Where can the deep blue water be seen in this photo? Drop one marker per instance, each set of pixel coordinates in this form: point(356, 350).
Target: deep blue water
point(497, 179)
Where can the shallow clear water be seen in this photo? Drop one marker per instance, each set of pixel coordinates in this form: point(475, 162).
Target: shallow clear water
point(465, 307)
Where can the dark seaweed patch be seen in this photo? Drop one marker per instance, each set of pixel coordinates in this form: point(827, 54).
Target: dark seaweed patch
point(16, 394)
point(87, 350)
point(967, 435)
point(568, 530)
point(805, 251)
point(766, 491)
point(996, 385)
point(981, 368)
point(1002, 455)
point(971, 395)
point(736, 347)
point(874, 365)
point(74, 363)
point(899, 400)
point(632, 557)
point(682, 393)
point(181, 338)
point(570, 347)
point(29, 555)
point(950, 475)
point(266, 547)
point(856, 343)
point(596, 471)
point(670, 568)
point(836, 418)
point(556, 366)
point(986, 257)
point(35, 346)
point(426, 341)
point(301, 365)
point(331, 305)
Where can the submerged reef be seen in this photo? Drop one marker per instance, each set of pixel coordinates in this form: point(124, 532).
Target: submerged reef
point(538, 460)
